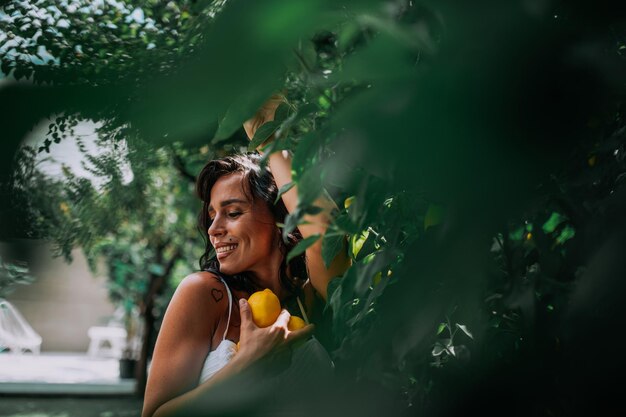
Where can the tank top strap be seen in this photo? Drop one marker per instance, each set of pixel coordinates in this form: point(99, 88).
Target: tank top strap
point(230, 308)
point(304, 316)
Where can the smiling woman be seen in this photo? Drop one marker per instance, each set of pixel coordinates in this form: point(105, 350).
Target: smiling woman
point(239, 210)
point(242, 232)
point(196, 349)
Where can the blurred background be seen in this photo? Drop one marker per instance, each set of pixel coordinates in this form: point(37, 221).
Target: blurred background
point(475, 152)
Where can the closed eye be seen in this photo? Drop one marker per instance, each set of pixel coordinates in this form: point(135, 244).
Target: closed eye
point(234, 214)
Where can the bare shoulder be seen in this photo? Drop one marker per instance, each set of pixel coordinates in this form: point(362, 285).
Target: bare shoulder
point(198, 302)
point(202, 278)
point(184, 339)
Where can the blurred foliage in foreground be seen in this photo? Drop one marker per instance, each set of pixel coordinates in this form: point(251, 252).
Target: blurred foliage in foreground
point(476, 151)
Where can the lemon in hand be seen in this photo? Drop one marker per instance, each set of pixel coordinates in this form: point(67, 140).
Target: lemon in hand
point(265, 307)
point(295, 323)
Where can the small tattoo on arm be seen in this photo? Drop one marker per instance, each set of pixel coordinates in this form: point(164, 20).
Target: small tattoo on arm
point(217, 294)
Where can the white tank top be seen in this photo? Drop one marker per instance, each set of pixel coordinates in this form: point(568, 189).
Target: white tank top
point(225, 351)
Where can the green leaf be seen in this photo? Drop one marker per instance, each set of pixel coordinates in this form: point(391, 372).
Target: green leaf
point(344, 222)
point(262, 134)
point(334, 286)
point(304, 153)
point(306, 110)
point(312, 210)
point(517, 234)
point(356, 242)
point(275, 145)
point(291, 222)
point(567, 233)
point(237, 113)
point(227, 125)
point(283, 190)
point(441, 328)
point(451, 350)
point(303, 245)
point(332, 244)
point(464, 330)
point(309, 186)
point(282, 112)
point(369, 267)
point(553, 222)
point(323, 102)
point(342, 300)
point(434, 216)
point(438, 349)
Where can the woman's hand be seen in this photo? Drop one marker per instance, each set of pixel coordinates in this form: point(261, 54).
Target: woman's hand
point(263, 115)
point(256, 342)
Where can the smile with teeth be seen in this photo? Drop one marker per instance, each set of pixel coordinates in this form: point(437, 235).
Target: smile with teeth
point(224, 249)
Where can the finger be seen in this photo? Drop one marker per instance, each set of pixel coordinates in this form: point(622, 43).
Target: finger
point(283, 319)
point(302, 333)
point(245, 313)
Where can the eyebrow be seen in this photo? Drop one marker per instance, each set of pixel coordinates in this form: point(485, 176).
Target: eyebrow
point(229, 202)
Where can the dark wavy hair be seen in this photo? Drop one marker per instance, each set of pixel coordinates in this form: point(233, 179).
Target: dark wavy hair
point(261, 185)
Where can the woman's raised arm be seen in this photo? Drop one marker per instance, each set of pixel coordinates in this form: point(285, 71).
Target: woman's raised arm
point(280, 165)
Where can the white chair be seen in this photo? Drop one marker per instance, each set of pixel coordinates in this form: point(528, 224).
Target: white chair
point(106, 341)
point(112, 340)
point(16, 334)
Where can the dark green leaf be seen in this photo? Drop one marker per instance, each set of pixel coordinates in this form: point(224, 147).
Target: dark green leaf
point(309, 186)
point(283, 190)
point(306, 110)
point(333, 285)
point(291, 222)
point(304, 153)
point(368, 267)
point(282, 112)
point(262, 134)
point(312, 210)
point(464, 330)
point(344, 222)
point(303, 245)
point(332, 244)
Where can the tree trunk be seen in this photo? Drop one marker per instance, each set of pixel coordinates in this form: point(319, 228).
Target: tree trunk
point(141, 373)
point(154, 289)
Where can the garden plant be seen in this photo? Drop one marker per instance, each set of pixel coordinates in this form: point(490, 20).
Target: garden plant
point(476, 152)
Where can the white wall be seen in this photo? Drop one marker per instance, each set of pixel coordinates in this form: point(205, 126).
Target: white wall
point(63, 302)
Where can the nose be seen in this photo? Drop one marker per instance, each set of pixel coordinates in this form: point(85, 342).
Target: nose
point(216, 228)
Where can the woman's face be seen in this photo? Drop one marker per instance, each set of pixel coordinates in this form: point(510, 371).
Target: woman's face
point(243, 232)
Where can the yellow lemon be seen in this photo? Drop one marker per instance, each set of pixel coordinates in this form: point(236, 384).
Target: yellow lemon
point(265, 307)
point(295, 323)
